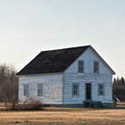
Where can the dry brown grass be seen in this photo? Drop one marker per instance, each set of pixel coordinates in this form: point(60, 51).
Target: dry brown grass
point(64, 116)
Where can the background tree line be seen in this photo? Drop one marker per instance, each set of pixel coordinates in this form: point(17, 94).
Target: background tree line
point(119, 88)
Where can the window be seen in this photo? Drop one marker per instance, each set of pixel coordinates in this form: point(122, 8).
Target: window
point(80, 66)
point(75, 89)
point(26, 90)
point(96, 67)
point(100, 90)
point(40, 89)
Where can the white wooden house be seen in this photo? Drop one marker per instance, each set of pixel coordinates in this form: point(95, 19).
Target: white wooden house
point(71, 76)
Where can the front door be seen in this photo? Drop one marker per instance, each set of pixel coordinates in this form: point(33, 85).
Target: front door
point(88, 91)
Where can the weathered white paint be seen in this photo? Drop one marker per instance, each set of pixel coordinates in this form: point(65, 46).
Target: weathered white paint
point(52, 87)
point(89, 56)
point(104, 76)
point(82, 79)
point(57, 87)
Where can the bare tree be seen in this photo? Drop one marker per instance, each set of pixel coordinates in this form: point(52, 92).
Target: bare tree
point(8, 85)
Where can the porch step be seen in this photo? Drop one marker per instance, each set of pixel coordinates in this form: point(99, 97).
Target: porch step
point(93, 104)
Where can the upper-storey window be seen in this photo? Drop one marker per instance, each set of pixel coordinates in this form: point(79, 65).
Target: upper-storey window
point(96, 67)
point(80, 66)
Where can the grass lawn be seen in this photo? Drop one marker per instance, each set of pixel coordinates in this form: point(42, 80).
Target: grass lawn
point(64, 116)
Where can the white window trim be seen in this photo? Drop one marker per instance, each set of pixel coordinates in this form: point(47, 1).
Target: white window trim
point(96, 61)
point(38, 89)
point(26, 93)
point(82, 69)
point(75, 95)
point(103, 89)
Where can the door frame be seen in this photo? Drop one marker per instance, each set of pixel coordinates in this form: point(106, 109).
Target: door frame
point(88, 97)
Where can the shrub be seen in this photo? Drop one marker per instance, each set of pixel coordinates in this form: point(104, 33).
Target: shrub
point(30, 104)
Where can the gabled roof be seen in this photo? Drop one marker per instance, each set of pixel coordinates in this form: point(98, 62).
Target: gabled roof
point(53, 61)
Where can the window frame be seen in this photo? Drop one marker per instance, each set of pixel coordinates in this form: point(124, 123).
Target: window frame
point(26, 90)
point(81, 66)
point(75, 90)
point(101, 89)
point(96, 67)
point(39, 89)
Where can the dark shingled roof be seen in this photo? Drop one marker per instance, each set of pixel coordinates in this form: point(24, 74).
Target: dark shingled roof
point(53, 61)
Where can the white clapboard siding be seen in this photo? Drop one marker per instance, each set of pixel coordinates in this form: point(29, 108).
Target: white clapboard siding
point(52, 87)
point(89, 57)
point(71, 75)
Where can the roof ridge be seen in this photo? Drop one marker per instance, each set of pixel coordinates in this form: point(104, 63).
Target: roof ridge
point(66, 48)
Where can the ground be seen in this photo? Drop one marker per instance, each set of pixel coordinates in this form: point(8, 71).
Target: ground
point(64, 116)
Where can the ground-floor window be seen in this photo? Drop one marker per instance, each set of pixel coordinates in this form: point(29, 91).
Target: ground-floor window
point(101, 90)
point(75, 89)
point(26, 90)
point(39, 89)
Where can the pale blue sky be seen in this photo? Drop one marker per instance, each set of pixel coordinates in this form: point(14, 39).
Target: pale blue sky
point(30, 26)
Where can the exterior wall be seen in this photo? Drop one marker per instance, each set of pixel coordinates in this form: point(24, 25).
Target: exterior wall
point(89, 57)
point(82, 80)
point(52, 88)
point(71, 75)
